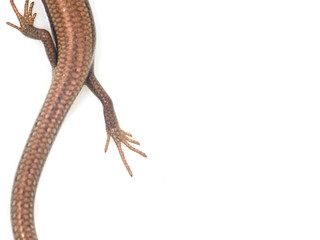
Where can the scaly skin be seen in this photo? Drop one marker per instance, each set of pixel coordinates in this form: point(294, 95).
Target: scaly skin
point(71, 57)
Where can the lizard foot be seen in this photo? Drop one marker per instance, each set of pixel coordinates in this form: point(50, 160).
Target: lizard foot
point(26, 20)
point(119, 136)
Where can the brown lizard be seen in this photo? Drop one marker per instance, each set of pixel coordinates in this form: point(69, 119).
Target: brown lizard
point(71, 53)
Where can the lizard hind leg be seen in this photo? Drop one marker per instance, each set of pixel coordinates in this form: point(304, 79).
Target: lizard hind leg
point(112, 126)
point(27, 28)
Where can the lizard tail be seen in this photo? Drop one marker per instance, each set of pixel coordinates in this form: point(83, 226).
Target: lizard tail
point(55, 108)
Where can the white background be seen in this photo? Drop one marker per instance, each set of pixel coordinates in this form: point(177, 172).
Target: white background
point(224, 97)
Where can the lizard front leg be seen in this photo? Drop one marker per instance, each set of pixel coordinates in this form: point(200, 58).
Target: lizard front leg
point(112, 126)
point(26, 27)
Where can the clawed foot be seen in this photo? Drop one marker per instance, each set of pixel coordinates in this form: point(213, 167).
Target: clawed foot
point(26, 20)
point(119, 136)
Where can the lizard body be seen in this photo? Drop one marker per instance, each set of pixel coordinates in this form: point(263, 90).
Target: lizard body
point(71, 54)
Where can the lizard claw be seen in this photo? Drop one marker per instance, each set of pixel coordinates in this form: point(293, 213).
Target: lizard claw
point(119, 136)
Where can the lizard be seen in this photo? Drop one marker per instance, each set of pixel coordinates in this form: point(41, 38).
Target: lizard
point(70, 49)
